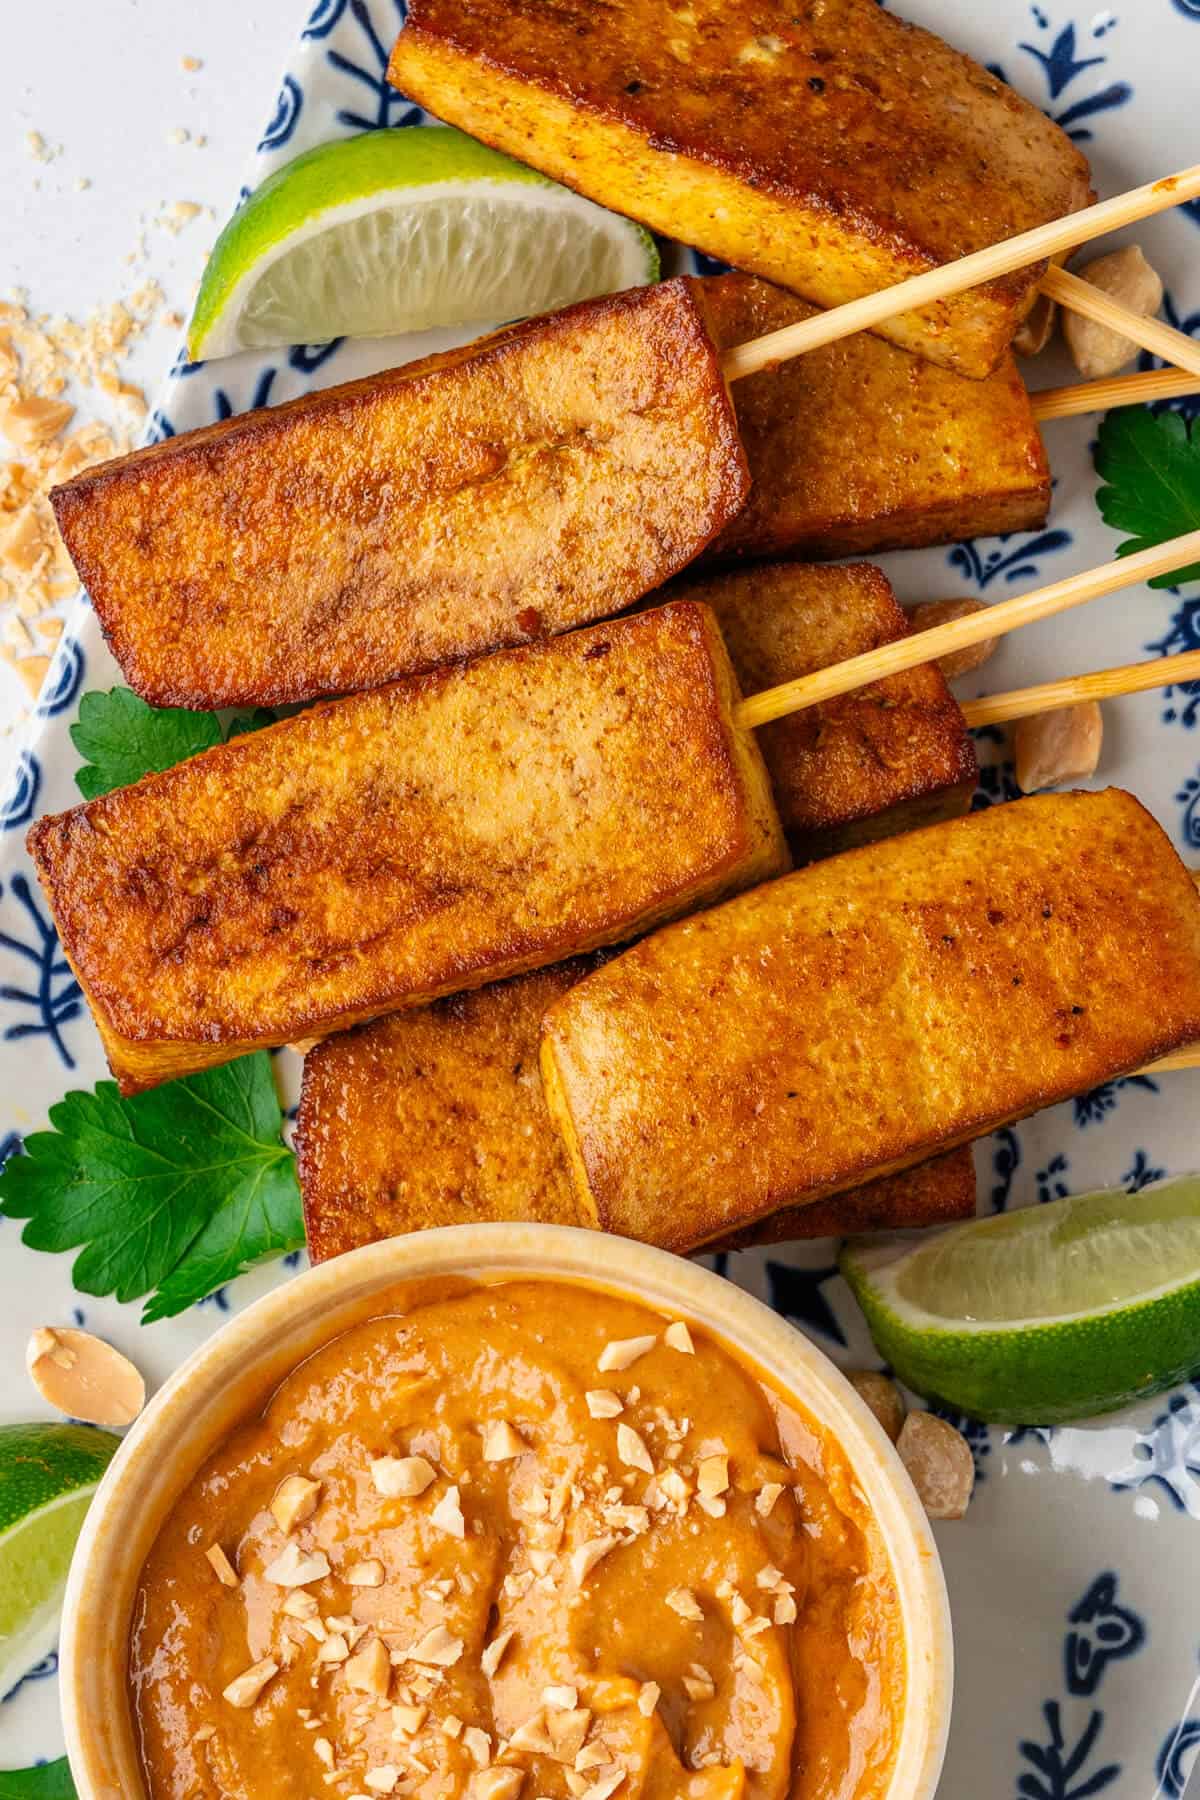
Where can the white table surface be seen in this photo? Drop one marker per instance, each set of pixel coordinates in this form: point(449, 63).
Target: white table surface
point(105, 82)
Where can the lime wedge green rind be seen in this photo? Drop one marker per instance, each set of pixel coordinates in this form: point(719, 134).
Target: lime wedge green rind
point(1043, 1315)
point(348, 215)
point(48, 1474)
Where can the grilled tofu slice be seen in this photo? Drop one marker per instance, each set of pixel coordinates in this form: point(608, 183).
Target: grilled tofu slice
point(886, 758)
point(825, 145)
point(423, 838)
point(532, 482)
point(860, 447)
point(437, 1117)
point(871, 1011)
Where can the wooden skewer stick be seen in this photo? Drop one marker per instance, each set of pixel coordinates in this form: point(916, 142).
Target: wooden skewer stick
point(1047, 240)
point(1103, 684)
point(1163, 340)
point(993, 621)
point(1117, 390)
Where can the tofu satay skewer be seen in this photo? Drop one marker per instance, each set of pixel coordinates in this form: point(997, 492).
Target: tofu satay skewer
point(1052, 239)
point(976, 628)
point(867, 1012)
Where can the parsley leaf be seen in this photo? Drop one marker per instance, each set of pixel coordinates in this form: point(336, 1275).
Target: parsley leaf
point(49, 1781)
point(171, 1192)
point(121, 738)
point(1151, 465)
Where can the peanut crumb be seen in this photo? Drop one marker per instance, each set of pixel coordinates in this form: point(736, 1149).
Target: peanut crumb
point(222, 1568)
point(245, 1688)
point(402, 1476)
point(678, 1337)
point(622, 1353)
point(602, 1403)
point(294, 1501)
point(682, 1601)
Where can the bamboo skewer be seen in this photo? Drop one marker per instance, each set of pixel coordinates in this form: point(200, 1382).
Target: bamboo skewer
point(1051, 239)
point(1151, 334)
point(940, 640)
point(1117, 390)
point(1103, 684)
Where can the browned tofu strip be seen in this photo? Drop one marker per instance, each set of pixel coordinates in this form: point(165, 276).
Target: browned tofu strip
point(378, 851)
point(888, 757)
point(437, 1117)
point(533, 482)
point(871, 1011)
point(828, 145)
point(860, 447)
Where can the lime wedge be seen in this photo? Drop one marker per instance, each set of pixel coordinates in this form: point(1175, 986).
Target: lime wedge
point(1051, 1313)
point(401, 230)
point(48, 1474)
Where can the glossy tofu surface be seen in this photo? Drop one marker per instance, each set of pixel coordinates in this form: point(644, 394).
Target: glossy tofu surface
point(437, 1117)
point(519, 487)
point(828, 146)
point(870, 1011)
point(424, 838)
point(886, 758)
point(860, 447)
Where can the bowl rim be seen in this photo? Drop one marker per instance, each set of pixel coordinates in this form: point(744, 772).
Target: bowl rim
point(94, 1691)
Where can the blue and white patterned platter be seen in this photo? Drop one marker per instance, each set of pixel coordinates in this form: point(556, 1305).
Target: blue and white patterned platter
point(1075, 1578)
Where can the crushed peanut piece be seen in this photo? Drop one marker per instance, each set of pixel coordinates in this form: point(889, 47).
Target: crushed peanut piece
point(533, 1735)
point(585, 1558)
point(622, 1353)
point(564, 1698)
point(602, 1403)
point(568, 1731)
point(335, 1649)
point(882, 1396)
point(784, 1611)
point(323, 1751)
point(764, 1500)
point(712, 1475)
point(402, 1477)
point(493, 1653)
point(222, 1568)
point(245, 1688)
point(648, 1697)
point(408, 1720)
point(299, 1605)
point(679, 1337)
point(604, 1785)
point(382, 1780)
point(631, 1448)
point(940, 1462)
point(80, 1374)
point(294, 1500)
point(368, 1573)
point(698, 1684)
point(370, 1669)
point(497, 1784)
point(447, 1515)
point(501, 1443)
point(478, 1745)
point(294, 1567)
point(681, 1600)
point(437, 1647)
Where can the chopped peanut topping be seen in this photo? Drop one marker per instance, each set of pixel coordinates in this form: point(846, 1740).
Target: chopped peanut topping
point(437, 1647)
point(631, 1449)
point(622, 1353)
point(712, 1475)
point(766, 1497)
point(602, 1403)
point(403, 1477)
point(563, 1698)
point(245, 1688)
point(501, 1443)
point(681, 1600)
point(365, 1574)
point(493, 1653)
point(301, 1606)
point(222, 1568)
point(369, 1670)
point(497, 1784)
point(408, 1720)
point(568, 1730)
point(478, 1745)
point(648, 1697)
point(294, 1500)
point(679, 1337)
point(293, 1568)
point(698, 1684)
point(447, 1515)
point(584, 1560)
